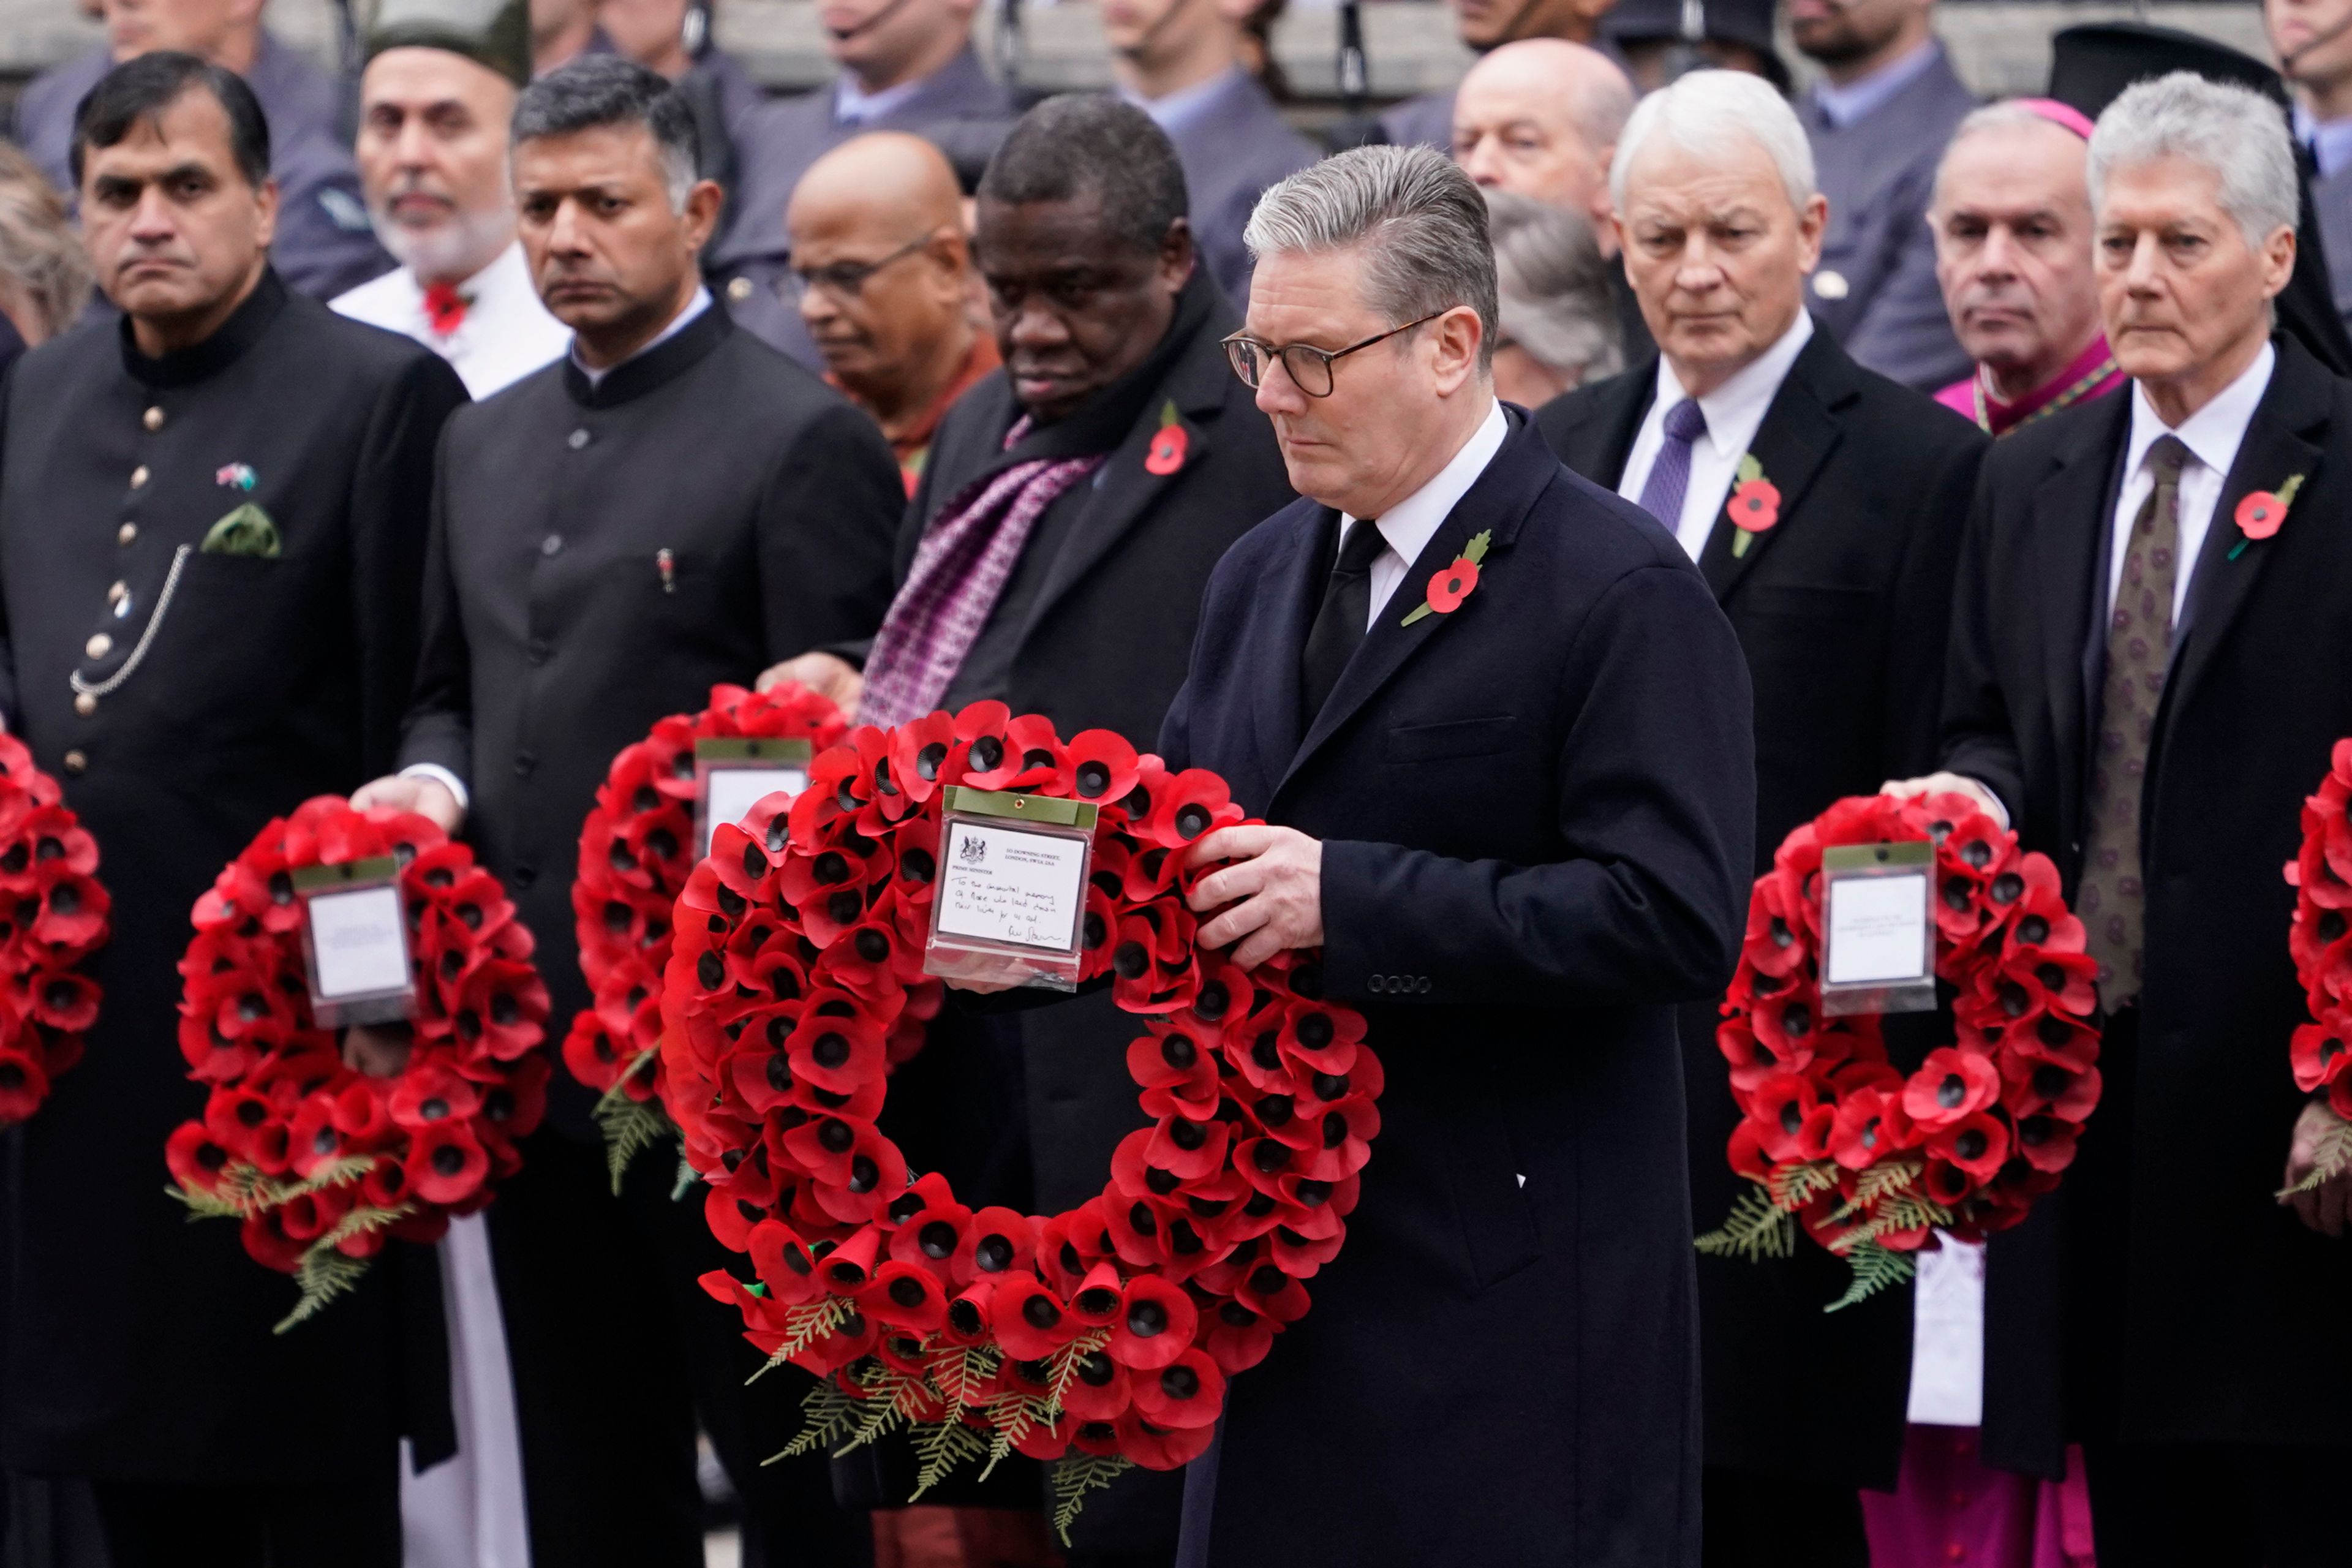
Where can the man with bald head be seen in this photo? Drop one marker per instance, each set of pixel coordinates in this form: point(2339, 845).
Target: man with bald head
point(1485, 27)
point(1540, 118)
point(883, 278)
point(2012, 218)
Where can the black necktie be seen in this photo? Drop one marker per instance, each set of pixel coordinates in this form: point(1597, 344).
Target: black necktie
point(1338, 626)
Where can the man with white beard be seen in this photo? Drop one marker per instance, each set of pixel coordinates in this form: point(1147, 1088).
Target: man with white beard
point(435, 102)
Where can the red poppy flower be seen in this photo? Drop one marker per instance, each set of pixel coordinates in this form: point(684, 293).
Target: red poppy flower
point(1155, 1326)
point(1100, 765)
point(1755, 505)
point(2259, 515)
point(1166, 453)
point(2318, 1055)
point(1977, 1143)
point(1029, 1320)
point(1452, 584)
point(446, 1163)
point(1950, 1086)
point(2046, 1143)
point(1187, 1391)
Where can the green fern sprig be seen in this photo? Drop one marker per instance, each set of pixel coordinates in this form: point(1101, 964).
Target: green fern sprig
point(1756, 1229)
point(2332, 1156)
point(829, 1416)
point(804, 1326)
point(1876, 1267)
point(630, 1125)
point(940, 1447)
point(1076, 1475)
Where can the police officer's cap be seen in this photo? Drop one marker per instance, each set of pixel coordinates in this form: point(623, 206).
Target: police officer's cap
point(493, 33)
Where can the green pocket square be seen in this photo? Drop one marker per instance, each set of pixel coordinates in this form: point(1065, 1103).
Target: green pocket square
point(247, 530)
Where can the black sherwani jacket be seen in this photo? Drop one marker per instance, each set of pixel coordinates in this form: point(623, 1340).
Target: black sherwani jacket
point(554, 639)
point(1536, 814)
point(1841, 609)
point(140, 1345)
point(2216, 1301)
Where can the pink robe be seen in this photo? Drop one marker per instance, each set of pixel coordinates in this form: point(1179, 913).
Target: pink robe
point(2091, 374)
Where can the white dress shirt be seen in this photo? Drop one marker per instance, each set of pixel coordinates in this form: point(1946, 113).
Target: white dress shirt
point(2212, 435)
point(1734, 411)
point(507, 332)
point(2330, 140)
point(677, 323)
point(1409, 525)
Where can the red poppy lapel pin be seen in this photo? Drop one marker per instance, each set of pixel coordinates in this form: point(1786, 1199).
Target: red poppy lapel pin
point(1755, 503)
point(1169, 445)
point(2260, 515)
point(1450, 586)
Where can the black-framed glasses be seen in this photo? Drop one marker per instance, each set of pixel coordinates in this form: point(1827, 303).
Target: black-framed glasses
point(847, 279)
point(1309, 367)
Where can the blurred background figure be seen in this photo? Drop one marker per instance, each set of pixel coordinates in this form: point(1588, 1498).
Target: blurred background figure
point(676, 38)
point(324, 245)
point(1878, 119)
point(1484, 26)
point(435, 100)
point(1558, 317)
point(564, 30)
point(905, 65)
point(45, 277)
point(1540, 118)
point(2011, 221)
point(1188, 64)
point(883, 278)
point(1661, 40)
point(2312, 40)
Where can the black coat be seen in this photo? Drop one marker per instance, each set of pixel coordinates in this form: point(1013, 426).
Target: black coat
point(1841, 609)
point(1529, 859)
point(553, 638)
point(2218, 1303)
point(140, 1345)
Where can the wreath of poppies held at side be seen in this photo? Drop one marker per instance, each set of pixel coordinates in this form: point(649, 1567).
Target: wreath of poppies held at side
point(2320, 941)
point(1869, 1162)
point(320, 1162)
point(1099, 1338)
point(636, 850)
point(53, 915)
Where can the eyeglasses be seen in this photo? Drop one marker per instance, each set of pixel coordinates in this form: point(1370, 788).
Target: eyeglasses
point(1309, 367)
point(844, 280)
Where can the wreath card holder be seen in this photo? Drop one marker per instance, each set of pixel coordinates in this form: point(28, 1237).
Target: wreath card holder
point(1012, 899)
point(1878, 931)
point(732, 774)
point(355, 942)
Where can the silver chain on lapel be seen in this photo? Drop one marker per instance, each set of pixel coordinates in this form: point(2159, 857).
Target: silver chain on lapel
point(162, 603)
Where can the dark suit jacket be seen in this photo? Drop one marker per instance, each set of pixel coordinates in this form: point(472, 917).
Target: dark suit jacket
point(552, 639)
point(1529, 858)
point(2217, 1301)
point(1232, 148)
point(140, 1344)
point(958, 107)
point(1841, 609)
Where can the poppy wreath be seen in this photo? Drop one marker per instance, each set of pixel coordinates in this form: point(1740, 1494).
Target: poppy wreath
point(636, 850)
point(1872, 1162)
point(1099, 1338)
point(321, 1162)
point(53, 915)
point(2320, 941)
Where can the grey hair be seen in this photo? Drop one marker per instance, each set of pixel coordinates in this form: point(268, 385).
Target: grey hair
point(2006, 115)
point(597, 90)
point(2234, 132)
point(1420, 224)
point(1708, 113)
point(1555, 287)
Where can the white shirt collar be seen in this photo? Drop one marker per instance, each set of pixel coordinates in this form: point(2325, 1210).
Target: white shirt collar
point(1411, 523)
point(2215, 432)
point(677, 323)
point(852, 105)
point(1179, 109)
point(2330, 140)
point(1864, 96)
point(1736, 409)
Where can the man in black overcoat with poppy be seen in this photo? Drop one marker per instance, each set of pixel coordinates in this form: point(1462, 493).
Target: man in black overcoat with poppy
point(1840, 607)
point(1518, 827)
point(212, 531)
point(2150, 687)
point(1113, 375)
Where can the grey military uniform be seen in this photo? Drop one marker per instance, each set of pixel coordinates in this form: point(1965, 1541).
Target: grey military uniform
point(324, 244)
point(2331, 199)
point(1875, 289)
point(1232, 146)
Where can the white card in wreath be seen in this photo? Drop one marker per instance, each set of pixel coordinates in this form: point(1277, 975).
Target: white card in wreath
point(355, 941)
point(1878, 951)
point(1012, 894)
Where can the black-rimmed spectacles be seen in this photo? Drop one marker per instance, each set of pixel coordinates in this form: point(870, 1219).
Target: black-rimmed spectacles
point(1309, 367)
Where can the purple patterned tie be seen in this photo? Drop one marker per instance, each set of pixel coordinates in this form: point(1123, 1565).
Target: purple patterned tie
point(1661, 492)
